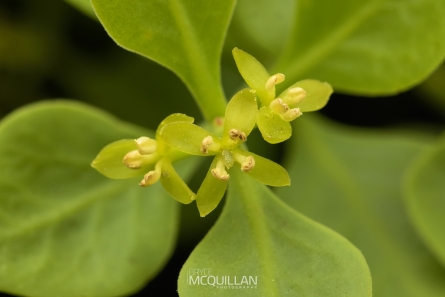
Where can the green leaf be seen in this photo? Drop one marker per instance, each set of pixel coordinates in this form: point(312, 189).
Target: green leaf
point(267, 171)
point(109, 160)
point(184, 36)
point(369, 47)
point(175, 186)
point(84, 6)
point(351, 180)
point(425, 197)
point(272, 127)
point(317, 94)
point(254, 74)
point(288, 254)
point(186, 137)
point(65, 229)
point(259, 27)
point(241, 114)
point(210, 192)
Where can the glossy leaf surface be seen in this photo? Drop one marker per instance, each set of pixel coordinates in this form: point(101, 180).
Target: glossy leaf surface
point(370, 47)
point(425, 197)
point(259, 236)
point(65, 229)
point(351, 180)
point(184, 36)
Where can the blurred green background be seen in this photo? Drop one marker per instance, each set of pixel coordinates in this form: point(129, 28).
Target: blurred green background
point(51, 50)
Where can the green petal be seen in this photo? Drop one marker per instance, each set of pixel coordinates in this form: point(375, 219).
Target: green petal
point(186, 137)
point(254, 74)
point(272, 127)
point(174, 184)
point(240, 114)
point(109, 160)
point(317, 94)
point(176, 117)
point(267, 171)
point(211, 192)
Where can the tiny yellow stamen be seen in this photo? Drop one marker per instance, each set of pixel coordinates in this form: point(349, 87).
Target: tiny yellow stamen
point(295, 96)
point(278, 106)
point(220, 171)
point(236, 134)
point(146, 145)
point(133, 160)
point(247, 163)
point(274, 80)
point(207, 144)
point(291, 114)
point(152, 176)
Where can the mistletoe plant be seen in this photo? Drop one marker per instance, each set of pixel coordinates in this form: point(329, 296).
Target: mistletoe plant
point(69, 230)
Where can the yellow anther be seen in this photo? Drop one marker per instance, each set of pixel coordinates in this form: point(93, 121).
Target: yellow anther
point(291, 114)
point(278, 106)
point(236, 134)
point(152, 176)
point(295, 96)
point(146, 145)
point(133, 160)
point(274, 80)
point(247, 163)
point(220, 171)
point(207, 144)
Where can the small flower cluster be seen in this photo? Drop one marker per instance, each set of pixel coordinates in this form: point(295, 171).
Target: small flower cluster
point(177, 137)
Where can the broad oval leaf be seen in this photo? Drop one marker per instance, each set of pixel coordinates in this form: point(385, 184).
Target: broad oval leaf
point(184, 36)
point(351, 180)
point(425, 197)
point(369, 47)
point(66, 230)
point(272, 127)
point(272, 251)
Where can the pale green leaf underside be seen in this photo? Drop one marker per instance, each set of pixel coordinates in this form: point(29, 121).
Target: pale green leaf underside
point(350, 180)
point(425, 198)
point(370, 47)
point(257, 235)
point(66, 230)
point(184, 36)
